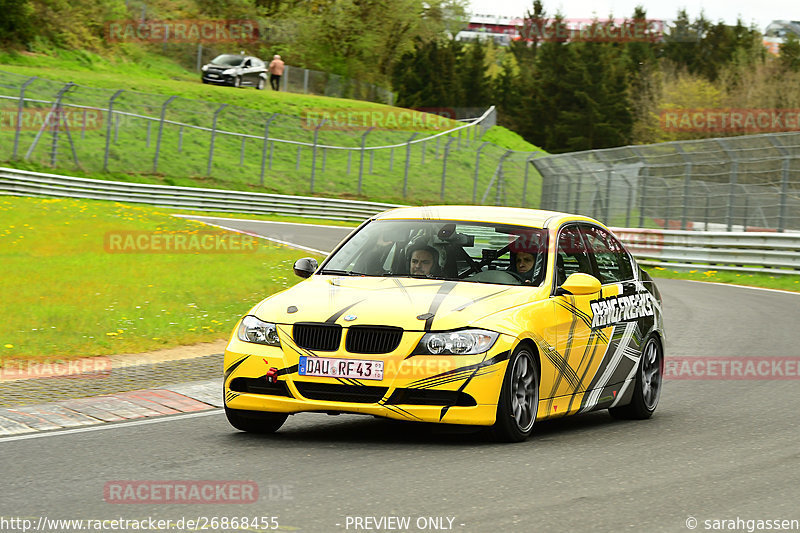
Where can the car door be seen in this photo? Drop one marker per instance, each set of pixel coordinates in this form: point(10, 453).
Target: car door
point(579, 348)
point(623, 312)
point(247, 72)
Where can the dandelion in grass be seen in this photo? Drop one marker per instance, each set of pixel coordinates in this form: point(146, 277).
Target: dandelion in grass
point(8, 346)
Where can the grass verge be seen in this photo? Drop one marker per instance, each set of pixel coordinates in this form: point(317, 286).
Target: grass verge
point(781, 282)
point(66, 296)
point(416, 173)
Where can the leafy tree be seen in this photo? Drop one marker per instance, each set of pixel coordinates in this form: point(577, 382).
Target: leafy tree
point(790, 53)
point(472, 72)
point(426, 77)
point(15, 22)
point(524, 49)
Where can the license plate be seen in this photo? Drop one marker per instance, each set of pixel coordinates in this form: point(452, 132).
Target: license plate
point(213, 76)
point(329, 367)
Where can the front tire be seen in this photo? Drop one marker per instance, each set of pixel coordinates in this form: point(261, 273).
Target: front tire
point(261, 84)
point(255, 421)
point(647, 390)
point(237, 82)
point(519, 398)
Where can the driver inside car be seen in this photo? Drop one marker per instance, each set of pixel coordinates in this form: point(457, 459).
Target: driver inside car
point(424, 261)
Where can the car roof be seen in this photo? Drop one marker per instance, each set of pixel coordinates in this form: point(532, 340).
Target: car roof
point(536, 218)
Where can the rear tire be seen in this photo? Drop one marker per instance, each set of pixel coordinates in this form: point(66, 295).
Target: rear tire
point(519, 398)
point(647, 389)
point(255, 421)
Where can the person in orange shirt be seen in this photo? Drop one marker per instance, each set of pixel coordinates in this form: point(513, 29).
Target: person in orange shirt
point(276, 67)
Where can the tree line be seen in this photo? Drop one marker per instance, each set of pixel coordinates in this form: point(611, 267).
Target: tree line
point(601, 91)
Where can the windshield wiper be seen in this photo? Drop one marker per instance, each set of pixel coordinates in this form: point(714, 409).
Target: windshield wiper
point(333, 272)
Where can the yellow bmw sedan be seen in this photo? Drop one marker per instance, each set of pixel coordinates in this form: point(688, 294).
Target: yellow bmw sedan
point(486, 316)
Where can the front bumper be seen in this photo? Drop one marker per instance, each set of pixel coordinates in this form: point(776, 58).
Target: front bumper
point(219, 80)
point(462, 389)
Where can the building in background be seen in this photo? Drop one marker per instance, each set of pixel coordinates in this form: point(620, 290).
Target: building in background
point(776, 34)
point(502, 29)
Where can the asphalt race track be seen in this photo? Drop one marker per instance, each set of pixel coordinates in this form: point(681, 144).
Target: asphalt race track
point(715, 450)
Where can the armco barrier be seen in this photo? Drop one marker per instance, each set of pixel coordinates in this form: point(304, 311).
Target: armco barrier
point(766, 252)
point(25, 183)
point(773, 253)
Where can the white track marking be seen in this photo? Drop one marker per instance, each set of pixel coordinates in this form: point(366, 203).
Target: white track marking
point(197, 217)
point(739, 286)
point(58, 433)
point(286, 243)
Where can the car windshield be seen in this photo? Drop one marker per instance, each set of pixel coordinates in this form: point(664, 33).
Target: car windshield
point(477, 252)
point(227, 60)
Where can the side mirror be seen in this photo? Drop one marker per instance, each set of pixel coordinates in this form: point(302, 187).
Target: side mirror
point(579, 284)
point(305, 267)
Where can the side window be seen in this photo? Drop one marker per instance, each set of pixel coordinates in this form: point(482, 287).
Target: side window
point(246, 63)
point(572, 255)
point(613, 263)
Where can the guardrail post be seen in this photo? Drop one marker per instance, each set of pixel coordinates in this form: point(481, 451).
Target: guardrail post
point(213, 136)
point(361, 160)
point(668, 204)
point(607, 199)
point(498, 175)
point(630, 201)
point(408, 161)
point(108, 127)
point(477, 165)
point(444, 167)
point(57, 109)
point(687, 179)
point(733, 180)
point(305, 81)
point(180, 139)
point(314, 153)
point(160, 131)
point(785, 163)
point(528, 164)
point(745, 214)
point(20, 109)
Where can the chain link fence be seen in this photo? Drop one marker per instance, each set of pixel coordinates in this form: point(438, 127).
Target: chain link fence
point(747, 183)
point(99, 130)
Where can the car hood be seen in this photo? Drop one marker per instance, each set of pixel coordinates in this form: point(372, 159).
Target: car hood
point(410, 303)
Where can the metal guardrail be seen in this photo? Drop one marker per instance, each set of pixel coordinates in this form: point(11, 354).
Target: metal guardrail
point(763, 252)
point(25, 183)
point(772, 253)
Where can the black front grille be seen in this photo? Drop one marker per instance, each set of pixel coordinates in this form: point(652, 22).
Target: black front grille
point(340, 393)
point(431, 397)
point(372, 339)
point(315, 336)
point(260, 386)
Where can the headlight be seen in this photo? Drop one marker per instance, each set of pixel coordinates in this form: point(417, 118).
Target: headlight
point(204, 68)
point(229, 71)
point(462, 342)
point(254, 330)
